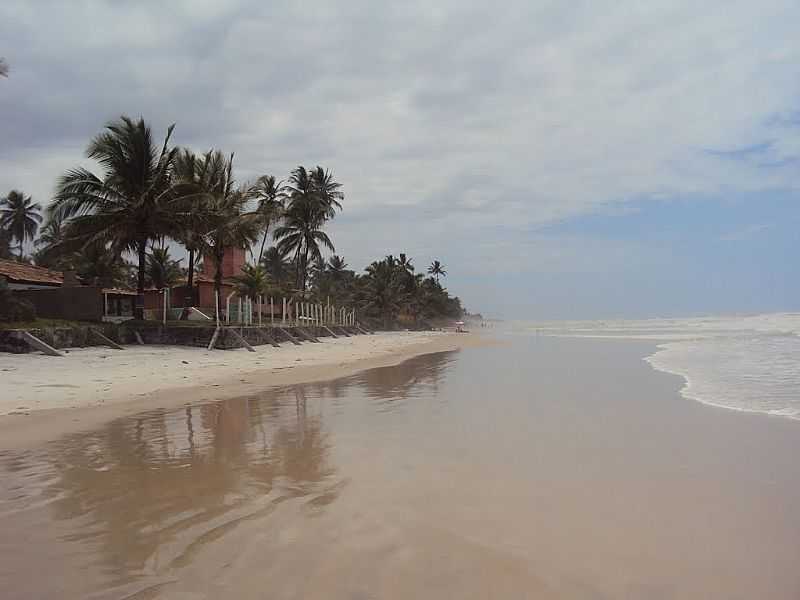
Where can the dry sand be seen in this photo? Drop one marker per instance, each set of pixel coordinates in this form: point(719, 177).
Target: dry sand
point(42, 397)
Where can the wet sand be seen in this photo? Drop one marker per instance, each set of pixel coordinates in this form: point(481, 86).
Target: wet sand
point(547, 468)
point(43, 397)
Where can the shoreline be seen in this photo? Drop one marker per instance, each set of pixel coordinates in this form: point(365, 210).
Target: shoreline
point(686, 386)
point(85, 404)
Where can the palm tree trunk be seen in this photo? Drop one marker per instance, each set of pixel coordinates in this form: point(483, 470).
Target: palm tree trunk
point(21, 253)
point(190, 280)
point(142, 251)
point(304, 272)
point(297, 268)
point(219, 255)
point(263, 242)
point(190, 275)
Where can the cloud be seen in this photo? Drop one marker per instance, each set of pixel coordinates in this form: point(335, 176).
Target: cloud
point(447, 123)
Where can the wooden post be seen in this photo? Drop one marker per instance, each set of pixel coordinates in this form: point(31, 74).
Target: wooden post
point(290, 336)
point(107, 341)
point(39, 344)
point(245, 343)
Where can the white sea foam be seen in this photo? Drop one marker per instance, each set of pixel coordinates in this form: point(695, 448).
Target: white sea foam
point(747, 363)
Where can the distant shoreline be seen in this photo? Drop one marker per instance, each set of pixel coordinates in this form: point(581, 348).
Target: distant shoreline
point(48, 397)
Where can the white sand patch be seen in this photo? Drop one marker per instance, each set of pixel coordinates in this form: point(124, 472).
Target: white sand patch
point(100, 376)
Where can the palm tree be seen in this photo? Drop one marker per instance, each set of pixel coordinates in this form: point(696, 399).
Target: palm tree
point(312, 200)
point(127, 206)
point(21, 217)
point(383, 293)
point(220, 206)
point(327, 190)
point(186, 173)
point(162, 270)
point(50, 251)
point(270, 205)
point(436, 269)
point(336, 266)
point(404, 263)
point(276, 265)
point(96, 263)
point(253, 282)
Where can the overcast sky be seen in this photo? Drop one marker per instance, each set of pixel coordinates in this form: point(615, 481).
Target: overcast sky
point(562, 159)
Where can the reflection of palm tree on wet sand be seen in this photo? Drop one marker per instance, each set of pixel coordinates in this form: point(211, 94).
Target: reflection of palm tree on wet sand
point(152, 487)
point(144, 494)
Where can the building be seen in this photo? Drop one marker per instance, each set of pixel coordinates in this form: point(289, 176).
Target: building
point(57, 295)
point(201, 295)
point(20, 276)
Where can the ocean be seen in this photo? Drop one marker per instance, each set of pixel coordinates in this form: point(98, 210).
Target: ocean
point(746, 363)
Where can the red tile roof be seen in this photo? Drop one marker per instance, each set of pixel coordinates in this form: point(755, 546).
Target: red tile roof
point(20, 272)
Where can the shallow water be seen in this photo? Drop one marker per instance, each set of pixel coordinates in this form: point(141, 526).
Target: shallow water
point(747, 363)
point(546, 468)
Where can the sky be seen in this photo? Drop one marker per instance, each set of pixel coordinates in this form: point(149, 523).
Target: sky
point(585, 159)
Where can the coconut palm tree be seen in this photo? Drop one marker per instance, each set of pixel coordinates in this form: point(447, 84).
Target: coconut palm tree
point(186, 175)
point(328, 191)
point(336, 266)
point(128, 204)
point(220, 206)
point(270, 205)
point(21, 217)
point(253, 282)
point(97, 264)
point(162, 270)
point(50, 251)
point(383, 293)
point(404, 264)
point(276, 265)
point(437, 270)
point(313, 199)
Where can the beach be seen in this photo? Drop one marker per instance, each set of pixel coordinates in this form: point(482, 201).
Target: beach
point(535, 468)
point(45, 396)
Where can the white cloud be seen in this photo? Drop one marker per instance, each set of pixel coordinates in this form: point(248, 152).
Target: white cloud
point(456, 119)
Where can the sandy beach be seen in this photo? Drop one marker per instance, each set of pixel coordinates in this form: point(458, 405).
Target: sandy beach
point(42, 397)
point(537, 468)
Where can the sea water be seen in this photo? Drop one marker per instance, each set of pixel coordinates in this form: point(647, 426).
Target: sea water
point(748, 363)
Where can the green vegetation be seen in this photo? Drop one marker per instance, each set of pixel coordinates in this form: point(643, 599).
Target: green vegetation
point(129, 204)
point(147, 197)
point(20, 217)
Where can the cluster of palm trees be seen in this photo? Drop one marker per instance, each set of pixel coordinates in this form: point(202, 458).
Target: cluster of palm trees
point(390, 291)
point(148, 195)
